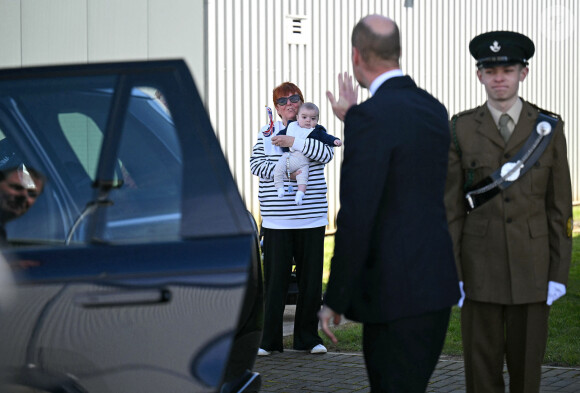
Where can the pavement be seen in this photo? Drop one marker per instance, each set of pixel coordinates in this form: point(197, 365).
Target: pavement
point(299, 371)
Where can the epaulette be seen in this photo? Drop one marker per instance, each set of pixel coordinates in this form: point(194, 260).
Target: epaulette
point(545, 111)
point(466, 112)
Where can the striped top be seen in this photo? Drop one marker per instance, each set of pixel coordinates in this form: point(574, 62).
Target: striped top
point(283, 213)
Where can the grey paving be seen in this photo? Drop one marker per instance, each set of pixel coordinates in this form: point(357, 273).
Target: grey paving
point(298, 371)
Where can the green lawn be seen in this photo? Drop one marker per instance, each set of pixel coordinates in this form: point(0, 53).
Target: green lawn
point(564, 329)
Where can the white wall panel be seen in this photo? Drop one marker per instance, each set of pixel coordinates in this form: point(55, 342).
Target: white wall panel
point(248, 56)
point(53, 31)
point(35, 32)
point(117, 30)
point(176, 29)
point(10, 37)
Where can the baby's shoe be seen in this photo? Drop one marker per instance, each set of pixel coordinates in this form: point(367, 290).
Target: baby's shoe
point(281, 192)
point(298, 197)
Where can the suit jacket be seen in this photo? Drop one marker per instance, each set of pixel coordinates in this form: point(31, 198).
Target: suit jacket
point(510, 247)
point(393, 255)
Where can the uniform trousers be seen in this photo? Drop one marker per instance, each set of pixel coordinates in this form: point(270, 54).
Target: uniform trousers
point(400, 355)
point(492, 331)
point(305, 249)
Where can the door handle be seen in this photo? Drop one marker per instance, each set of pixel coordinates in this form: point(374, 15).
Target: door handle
point(127, 297)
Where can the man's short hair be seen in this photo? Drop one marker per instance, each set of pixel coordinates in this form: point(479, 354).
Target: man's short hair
point(4, 172)
point(371, 44)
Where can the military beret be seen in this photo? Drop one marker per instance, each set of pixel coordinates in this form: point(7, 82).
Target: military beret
point(501, 48)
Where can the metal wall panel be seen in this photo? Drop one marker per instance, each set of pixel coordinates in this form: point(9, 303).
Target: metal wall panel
point(249, 54)
point(10, 34)
point(53, 32)
point(118, 35)
point(176, 29)
point(40, 32)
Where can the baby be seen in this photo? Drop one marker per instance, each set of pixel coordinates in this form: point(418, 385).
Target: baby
point(293, 160)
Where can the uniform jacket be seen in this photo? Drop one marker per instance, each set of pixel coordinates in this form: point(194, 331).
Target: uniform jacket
point(508, 249)
point(393, 255)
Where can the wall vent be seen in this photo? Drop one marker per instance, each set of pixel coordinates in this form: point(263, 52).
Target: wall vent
point(297, 31)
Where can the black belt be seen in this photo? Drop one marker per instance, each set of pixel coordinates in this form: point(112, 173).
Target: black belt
point(505, 176)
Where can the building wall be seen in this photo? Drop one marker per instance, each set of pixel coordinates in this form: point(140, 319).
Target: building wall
point(250, 51)
point(239, 50)
point(41, 32)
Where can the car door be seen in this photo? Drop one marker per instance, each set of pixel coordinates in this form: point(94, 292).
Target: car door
point(135, 262)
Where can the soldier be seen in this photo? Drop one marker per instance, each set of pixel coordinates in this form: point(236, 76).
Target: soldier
point(509, 208)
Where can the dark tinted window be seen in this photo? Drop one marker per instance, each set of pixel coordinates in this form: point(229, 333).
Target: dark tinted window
point(58, 127)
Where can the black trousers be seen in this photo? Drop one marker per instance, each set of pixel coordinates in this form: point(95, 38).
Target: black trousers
point(282, 248)
point(401, 355)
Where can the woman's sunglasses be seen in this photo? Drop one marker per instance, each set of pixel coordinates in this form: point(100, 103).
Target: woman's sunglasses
point(284, 100)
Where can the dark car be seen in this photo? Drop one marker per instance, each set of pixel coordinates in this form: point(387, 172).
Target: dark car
point(137, 268)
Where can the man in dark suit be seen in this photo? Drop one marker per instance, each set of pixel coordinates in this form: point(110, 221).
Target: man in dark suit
point(393, 267)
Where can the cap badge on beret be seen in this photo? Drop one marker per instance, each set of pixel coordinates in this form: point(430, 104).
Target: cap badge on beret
point(495, 47)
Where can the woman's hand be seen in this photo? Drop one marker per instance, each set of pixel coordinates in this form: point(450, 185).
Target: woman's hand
point(283, 140)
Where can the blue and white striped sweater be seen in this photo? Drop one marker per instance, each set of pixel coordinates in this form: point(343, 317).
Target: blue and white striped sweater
point(315, 206)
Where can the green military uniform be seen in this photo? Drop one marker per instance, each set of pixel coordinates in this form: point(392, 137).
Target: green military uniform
point(511, 246)
point(507, 249)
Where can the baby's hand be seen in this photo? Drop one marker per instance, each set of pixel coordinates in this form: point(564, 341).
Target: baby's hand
point(337, 142)
point(294, 174)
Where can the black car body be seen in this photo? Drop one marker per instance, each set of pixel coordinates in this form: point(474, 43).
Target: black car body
point(138, 267)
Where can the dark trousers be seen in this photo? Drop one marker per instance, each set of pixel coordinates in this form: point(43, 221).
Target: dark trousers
point(490, 332)
point(282, 248)
point(401, 355)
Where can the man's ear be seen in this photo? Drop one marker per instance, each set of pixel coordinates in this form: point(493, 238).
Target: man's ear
point(356, 59)
point(523, 73)
point(479, 74)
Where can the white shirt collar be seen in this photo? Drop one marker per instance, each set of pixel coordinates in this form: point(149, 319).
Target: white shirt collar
point(379, 80)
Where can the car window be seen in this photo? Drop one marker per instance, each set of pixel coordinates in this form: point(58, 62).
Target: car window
point(58, 128)
point(84, 137)
point(149, 167)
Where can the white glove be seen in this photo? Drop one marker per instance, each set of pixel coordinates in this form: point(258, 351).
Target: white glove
point(555, 292)
point(462, 298)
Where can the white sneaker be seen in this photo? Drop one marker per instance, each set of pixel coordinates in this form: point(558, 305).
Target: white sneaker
point(318, 349)
point(263, 352)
